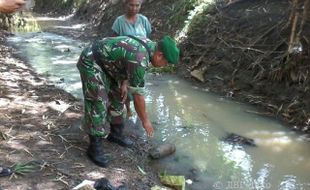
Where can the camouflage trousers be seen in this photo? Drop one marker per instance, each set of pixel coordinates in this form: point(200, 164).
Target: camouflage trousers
point(102, 101)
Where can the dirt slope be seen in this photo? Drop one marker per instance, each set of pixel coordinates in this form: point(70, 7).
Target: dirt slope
point(240, 50)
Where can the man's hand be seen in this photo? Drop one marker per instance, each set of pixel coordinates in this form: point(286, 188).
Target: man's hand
point(10, 6)
point(147, 125)
point(139, 103)
point(124, 90)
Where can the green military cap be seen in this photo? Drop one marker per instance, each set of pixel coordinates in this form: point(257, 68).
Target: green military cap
point(169, 47)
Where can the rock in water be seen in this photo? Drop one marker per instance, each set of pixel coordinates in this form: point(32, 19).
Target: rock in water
point(162, 151)
point(236, 139)
point(103, 184)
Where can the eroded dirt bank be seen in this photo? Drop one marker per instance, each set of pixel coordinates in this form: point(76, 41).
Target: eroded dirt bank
point(242, 51)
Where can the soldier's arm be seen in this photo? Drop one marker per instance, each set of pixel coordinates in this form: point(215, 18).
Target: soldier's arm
point(139, 103)
point(136, 74)
point(124, 90)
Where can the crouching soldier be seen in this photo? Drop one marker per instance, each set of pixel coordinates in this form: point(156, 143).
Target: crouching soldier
point(108, 69)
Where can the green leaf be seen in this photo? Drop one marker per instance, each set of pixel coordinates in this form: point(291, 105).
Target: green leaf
point(176, 182)
point(141, 170)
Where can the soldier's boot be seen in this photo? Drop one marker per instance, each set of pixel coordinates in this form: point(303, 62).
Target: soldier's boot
point(116, 135)
point(5, 171)
point(95, 151)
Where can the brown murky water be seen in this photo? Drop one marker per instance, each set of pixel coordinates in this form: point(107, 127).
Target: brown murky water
point(195, 121)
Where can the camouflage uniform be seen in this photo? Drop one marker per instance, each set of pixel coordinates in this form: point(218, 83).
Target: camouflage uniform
point(121, 58)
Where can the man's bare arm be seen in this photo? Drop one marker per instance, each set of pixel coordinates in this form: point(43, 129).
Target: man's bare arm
point(139, 103)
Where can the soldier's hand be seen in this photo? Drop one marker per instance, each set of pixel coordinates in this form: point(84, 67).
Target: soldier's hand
point(124, 90)
point(147, 125)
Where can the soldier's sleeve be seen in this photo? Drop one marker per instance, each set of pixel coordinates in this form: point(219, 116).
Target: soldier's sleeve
point(136, 77)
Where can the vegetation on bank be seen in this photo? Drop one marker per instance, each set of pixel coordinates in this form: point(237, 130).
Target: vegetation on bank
point(62, 7)
point(264, 61)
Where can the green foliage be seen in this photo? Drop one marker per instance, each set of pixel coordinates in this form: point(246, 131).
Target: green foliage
point(180, 10)
point(167, 69)
point(194, 16)
point(63, 4)
point(176, 182)
point(184, 11)
point(28, 167)
point(200, 20)
point(141, 170)
point(57, 5)
point(5, 21)
point(3, 136)
point(78, 3)
point(19, 24)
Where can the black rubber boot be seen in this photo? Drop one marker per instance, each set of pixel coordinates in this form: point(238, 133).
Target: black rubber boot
point(95, 151)
point(117, 136)
point(5, 171)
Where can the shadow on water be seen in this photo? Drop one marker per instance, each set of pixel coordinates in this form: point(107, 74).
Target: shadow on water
point(195, 121)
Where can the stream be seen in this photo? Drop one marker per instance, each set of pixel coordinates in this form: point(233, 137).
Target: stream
point(195, 120)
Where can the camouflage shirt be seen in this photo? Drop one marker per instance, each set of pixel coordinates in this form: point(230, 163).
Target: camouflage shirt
point(123, 58)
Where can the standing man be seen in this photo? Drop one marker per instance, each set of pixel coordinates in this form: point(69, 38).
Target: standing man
point(134, 24)
point(108, 68)
point(11, 6)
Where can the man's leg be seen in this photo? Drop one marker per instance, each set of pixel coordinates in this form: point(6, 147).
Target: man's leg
point(94, 84)
point(117, 116)
point(127, 103)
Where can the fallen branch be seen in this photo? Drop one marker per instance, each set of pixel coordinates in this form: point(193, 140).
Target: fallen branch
point(198, 61)
point(250, 49)
point(264, 34)
point(259, 113)
point(304, 18)
point(232, 2)
point(267, 54)
point(293, 39)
